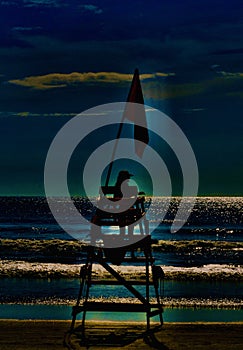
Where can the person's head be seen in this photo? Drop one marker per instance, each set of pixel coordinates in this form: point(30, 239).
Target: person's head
point(123, 175)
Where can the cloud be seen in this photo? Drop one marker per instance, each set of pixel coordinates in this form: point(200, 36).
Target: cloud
point(192, 110)
point(25, 29)
point(52, 4)
point(218, 69)
point(226, 84)
point(8, 3)
point(37, 3)
point(92, 8)
point(61, 80)
point(160, 91)
point(26, 114)
point(33, 3)
point(155, 85)
point(30, 114)
point(230, 74)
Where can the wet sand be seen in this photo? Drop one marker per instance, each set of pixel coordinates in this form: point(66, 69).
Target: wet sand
point(40, 335)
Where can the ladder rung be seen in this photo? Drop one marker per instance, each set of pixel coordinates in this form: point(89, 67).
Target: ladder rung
point(119, 307)
point(115, 282)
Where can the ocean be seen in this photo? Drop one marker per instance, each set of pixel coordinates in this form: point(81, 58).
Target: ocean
point(212, 218)
point(211, 240)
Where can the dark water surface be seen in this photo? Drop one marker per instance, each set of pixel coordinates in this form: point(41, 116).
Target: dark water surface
point(212, 218)
point(62, 312)
point(28, 290)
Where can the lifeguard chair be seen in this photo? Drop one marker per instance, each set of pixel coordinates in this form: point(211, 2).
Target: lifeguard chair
point(141, 253)
point(122, 207)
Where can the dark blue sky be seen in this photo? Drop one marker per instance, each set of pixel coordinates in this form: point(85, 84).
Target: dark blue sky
point(60, 57)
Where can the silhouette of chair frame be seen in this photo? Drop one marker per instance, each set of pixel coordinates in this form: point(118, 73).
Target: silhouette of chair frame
point(143, 304)
point(104, 256)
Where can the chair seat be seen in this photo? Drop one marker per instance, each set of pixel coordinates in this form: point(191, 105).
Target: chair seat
point(110, 211)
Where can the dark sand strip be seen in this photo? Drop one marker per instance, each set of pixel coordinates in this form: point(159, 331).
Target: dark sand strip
point(40, 335)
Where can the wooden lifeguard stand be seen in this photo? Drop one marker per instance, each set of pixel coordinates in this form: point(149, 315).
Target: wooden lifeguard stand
point(112, 249)
point(107, 256)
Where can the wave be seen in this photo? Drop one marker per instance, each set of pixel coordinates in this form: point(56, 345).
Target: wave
point(9, 268)
point(167, 302)
point(58, 250)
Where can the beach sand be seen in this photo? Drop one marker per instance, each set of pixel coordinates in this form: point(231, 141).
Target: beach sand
point(40, 335)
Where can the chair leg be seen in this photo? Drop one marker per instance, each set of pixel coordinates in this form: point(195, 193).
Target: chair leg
point(157, 274)
point(89, 273)
point(147, 290)
point(83, 276)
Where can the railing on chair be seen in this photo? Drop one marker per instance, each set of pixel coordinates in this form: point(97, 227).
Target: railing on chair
point(123, 212)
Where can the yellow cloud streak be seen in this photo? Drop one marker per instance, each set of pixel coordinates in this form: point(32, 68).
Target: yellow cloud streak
point(153, 86)
point(60, 80)
point(30, 114)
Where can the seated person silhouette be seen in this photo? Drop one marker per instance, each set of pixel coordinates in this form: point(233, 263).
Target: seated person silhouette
point(124, 195)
